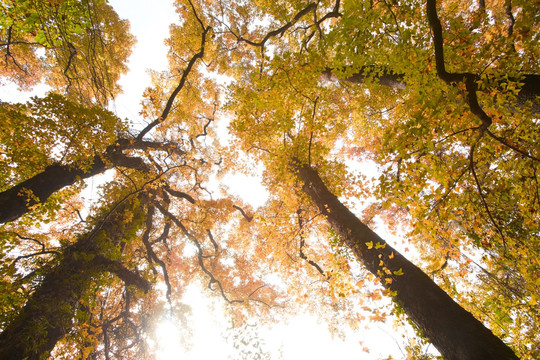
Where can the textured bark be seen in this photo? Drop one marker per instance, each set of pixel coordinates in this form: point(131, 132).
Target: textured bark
point(451, 329)
point(14, 202)
point(48, 314)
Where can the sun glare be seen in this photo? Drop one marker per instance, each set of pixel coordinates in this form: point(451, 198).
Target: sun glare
point(168, 341)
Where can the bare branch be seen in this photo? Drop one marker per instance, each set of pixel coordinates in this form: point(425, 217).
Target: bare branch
point(168, 147)
point(312, 7)
point(211, 237)
point(200, 254)
point(302, 243)
point(280, 30)
point(43, 252)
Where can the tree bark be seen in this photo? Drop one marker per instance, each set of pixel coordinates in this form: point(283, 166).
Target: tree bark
point(48, 314)
point(529, 90)
point(450, 328)
point(15, 202)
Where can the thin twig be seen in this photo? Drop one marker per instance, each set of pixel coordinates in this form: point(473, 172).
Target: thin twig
point(513, 147)
point(479, 187)
point(302, 242)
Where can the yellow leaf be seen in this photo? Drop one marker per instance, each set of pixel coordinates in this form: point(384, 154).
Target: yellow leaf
point(399, 272)
point(369, 245)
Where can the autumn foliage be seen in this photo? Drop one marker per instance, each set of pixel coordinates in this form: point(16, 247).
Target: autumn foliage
point(438, 98)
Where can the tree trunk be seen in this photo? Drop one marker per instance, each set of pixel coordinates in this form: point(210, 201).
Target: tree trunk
point(529, 90)
point(451, 329)
point(15, 202)
point(48, 314)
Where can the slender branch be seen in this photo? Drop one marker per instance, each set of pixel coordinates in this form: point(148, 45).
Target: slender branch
point(151, 253)
point(211, 237)
point(332, 14)
point(443, 266)
point(455, 133)
point(43, 252)
point(164, 234)
point(302, 242)
point(511, 18)
point(72, 53)
point(450, 188)
point(181, 84)
point(482, 198)
point(513, 147)
point(280, 30)
point(312, 7)
point(42, 245)
point(131, 144)
point(200, 254)
point(10, 55)
point(248, 218)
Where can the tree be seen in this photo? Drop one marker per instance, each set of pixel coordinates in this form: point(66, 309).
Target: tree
point(47, 315)
point(65, 298)
point(421, 123)
point(453, 330)
point(454, 136)
point(79, 47)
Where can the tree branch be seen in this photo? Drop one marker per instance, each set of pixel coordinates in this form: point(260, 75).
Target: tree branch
point(302, 242)
point(482, 198)
point(181, 84)
point(132, 144)
point(469, 79)
point(513, 147)
point(248, 218)
point(312, 7)
point(200, 255)
point(151, 253)
point(179, 194)
point(127, 276)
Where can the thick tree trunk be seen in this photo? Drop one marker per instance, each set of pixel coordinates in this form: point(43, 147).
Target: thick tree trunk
point(451, 329)
point(15, 202)
point(48, 314)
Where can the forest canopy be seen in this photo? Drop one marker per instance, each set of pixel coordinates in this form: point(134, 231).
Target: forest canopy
point(441, 98)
